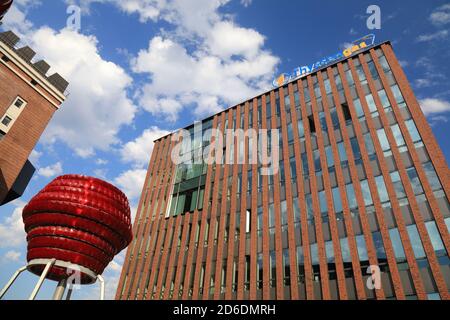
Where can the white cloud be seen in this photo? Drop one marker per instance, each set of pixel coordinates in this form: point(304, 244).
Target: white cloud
point(438, 119)
point(227, 39)
point(12, 233)
point(16, 19)
point(98, 106)
point(131, 182)
point(438, 35)
point(403, 63)
point(432, 106)
point(246, 3)
point(206, 64)
point(35, 156)
point(423, 83)
point(101, 162)
point(441, 15)
point(12, 256)
point(138, 151)
point(51, 171)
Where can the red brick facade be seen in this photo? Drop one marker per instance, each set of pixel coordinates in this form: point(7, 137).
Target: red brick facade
point(19, 79)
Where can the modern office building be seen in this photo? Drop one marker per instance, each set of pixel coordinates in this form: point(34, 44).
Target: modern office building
point(362, 183)
point(28, 100)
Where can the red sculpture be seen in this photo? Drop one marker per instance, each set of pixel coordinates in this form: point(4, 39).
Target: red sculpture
point(4, 7)
point(76, 220)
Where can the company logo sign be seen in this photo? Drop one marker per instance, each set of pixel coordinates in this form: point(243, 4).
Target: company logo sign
point(298, 72)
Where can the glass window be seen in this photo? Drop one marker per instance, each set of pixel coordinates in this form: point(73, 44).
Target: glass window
point(272, 217)
point(334, 118)
point(398, 135)
point(412, 129)
point(323, 203)
point(398, 185)
point(435, 237)
point(362, 248)
point(287, 102)
point(432, 176)
point(323, 121)
point(301, 129)
point(378, 242)
point(414, 179)
point(358, 108)
point(282, 175)
point(338, 81)
point(317, 164)
point(297, 98)
point(273, 269)
point(290, 133)
point(371, 103)
point(309, 206)
point(361, 74)
point(351, 197)
point(349, 76)
point(384, 99)
point(329, 251)
point(433, 296)
point(415, 241)
point(260, 218)
point(286, 267)
point(259, 272)
point(314, 254)
point(307, 95)
point(342, 152)
point(329, 154)
point(369, 144)
point(293, 168)
point(382, 191)
point(383, 139)
point(384, 64)
point(327, 86)
point(397, 245)
point(355, 148)
point(337, 202)
point(397, 94)
point(300, 260)
point(296, 210)
point(345, 250)
point(305, 163)
point(6, 121)
point(284, 217)
point(366, 193)
point(268, 107)
point(373, 70)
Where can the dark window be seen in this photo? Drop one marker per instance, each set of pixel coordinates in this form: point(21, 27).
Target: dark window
point(6, 121)
point(346, 111)
point(312, 126)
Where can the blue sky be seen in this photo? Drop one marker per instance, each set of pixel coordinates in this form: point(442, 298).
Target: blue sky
point(141, 68)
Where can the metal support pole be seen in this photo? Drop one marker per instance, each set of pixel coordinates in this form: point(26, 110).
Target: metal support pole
point(11, 281)
point(41, 279)
point(69, 292)
point(60, 289)
point(102, 287)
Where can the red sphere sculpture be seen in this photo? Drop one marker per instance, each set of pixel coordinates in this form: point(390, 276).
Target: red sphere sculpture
point(4, 6)
point(79, 221)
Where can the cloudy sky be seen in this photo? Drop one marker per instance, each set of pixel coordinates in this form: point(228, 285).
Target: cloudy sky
point(139, 69)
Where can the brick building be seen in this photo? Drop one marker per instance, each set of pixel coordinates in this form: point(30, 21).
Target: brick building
point(28, 99)
point(362, 182)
